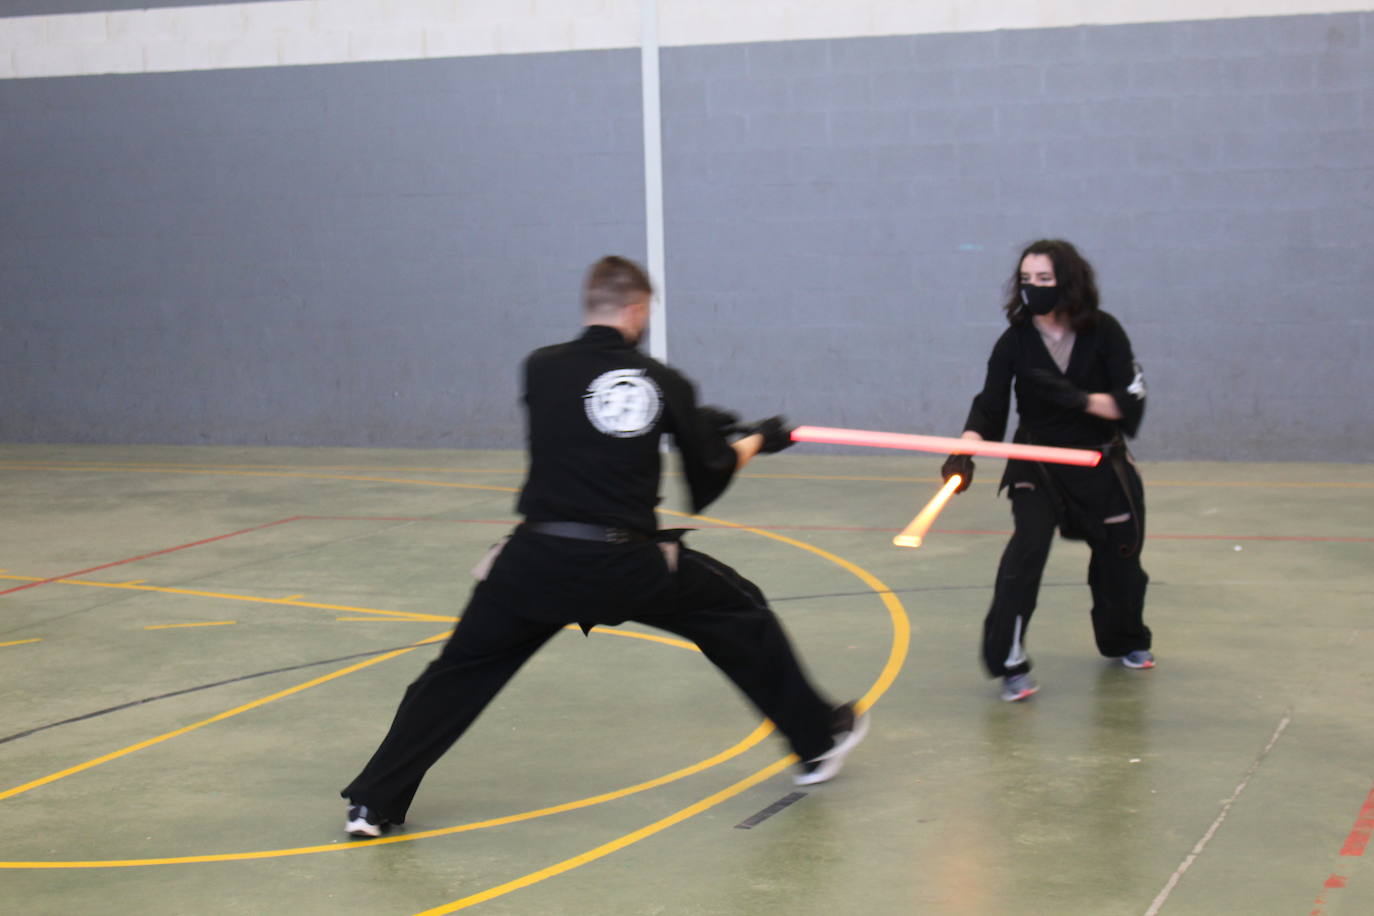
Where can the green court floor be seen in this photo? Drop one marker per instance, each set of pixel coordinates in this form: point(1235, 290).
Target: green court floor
point(200, 646)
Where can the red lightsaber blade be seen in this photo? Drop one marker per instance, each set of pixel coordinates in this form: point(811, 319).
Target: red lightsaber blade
point(946, 445)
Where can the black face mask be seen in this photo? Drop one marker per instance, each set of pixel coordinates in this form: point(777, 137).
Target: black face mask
point(1039, 300)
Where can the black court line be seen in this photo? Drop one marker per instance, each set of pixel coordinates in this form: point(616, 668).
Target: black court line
point(177, 693)
point(986, 587)
point(790, 799)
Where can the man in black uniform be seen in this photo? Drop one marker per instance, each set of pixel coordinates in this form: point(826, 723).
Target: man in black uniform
point(1077, 386)
point(590, 552)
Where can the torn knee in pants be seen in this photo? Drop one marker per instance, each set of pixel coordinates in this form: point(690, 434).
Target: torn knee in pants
point(1123, 537)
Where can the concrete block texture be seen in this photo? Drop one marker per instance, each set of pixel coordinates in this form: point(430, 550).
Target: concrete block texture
point(293, 255)
point(361, 253)
point(1216, 173)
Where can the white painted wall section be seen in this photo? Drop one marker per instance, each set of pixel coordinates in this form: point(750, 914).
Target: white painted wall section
point(295, 32)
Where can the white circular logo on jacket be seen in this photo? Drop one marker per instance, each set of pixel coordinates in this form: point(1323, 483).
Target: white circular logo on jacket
point(623, 403)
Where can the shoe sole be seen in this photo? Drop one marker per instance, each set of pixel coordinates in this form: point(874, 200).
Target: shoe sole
point(1149, 664)
point(832, 761)
point(363, 829)
point(1020, 696)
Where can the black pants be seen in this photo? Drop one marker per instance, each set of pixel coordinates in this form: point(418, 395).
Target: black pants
point(538, 585)
point(1115, 577)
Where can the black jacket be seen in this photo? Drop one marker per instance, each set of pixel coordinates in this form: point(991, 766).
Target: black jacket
point(1101, 361)
point(596, 409)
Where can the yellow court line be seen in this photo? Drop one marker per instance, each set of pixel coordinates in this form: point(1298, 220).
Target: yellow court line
point(901, 638)
point(901, 624)
point(143, 465)
point(381, 619)
point(845, 477)
point(134, 582)
point(763, 730)
point(178, 626)
point(219, 717)
point(406, 470)
point(197, 593)
point(1260, 484)
point(1151, 482)
point(294, 597)
point(273, 471)
point(635, 634)
point(20, 642)
point(897, 654)
point(158, 470)
point(615, 845)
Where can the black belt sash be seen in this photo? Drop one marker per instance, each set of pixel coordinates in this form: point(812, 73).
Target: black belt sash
point(581, 531)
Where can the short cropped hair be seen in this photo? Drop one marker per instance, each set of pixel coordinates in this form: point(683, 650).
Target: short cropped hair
point(1072, 274)
point(613, 283)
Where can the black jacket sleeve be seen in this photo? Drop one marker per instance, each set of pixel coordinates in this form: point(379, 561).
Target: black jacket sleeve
point(708, 460)
point(991, 406)
point(1126, 380)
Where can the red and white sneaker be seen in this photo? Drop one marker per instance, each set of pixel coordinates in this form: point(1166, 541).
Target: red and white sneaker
point(1017, 687)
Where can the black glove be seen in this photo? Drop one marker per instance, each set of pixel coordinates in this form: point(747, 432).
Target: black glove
point(1058, 390)
point(961, 465)
point(722, 421)
point(777, 435)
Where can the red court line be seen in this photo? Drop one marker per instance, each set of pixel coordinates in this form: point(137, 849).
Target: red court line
point(399, 518)
point(1260, 537)
point(1335, 882)
point(1355, 844)
point(1364, 824)
point(155, 553)
point(1290, 538)
point(489, 521)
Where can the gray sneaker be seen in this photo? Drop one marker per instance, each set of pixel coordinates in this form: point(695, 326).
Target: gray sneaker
point(1140, 658)
point(1018, 687)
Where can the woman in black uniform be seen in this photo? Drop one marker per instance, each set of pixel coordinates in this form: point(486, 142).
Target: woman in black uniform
point(1077, 386)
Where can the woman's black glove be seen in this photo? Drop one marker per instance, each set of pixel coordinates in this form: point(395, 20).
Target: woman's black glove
point(961, 465)
point(1058, 390)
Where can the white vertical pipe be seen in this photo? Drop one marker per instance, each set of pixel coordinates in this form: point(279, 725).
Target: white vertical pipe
point(653, 177)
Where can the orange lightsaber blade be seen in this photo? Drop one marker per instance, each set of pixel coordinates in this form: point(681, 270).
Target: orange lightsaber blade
point(912, 535)
point(947, 446)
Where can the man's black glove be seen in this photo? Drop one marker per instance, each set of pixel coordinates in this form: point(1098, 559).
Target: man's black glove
point(961, 465)
point(1058, 390)
point(722, 421)
point(777, 435)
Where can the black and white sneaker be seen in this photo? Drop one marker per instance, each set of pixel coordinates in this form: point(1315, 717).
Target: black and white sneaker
point(847, 730)
point(364, 822)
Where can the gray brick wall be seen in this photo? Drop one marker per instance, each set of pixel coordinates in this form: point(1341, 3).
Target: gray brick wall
point(360, 254)
point(322, 255)
point(1218, 174)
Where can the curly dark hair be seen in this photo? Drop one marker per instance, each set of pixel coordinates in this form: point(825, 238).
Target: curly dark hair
point(1073, 275)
